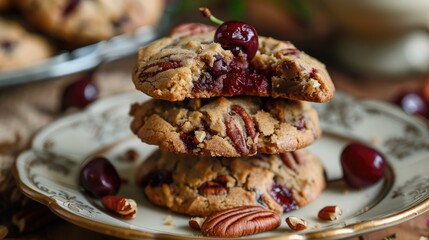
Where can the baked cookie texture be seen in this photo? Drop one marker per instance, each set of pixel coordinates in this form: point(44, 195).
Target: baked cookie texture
point(20, 48)
point(202, 185)
point(193, 66)
point(227, 127)
point(89, 21)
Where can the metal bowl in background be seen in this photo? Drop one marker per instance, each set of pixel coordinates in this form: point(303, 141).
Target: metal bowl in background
point(81, 59)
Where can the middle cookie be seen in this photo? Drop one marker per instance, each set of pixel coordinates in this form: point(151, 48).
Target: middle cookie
point(228, 127)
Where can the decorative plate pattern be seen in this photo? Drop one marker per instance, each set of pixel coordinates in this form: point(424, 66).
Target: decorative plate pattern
point(48, 171)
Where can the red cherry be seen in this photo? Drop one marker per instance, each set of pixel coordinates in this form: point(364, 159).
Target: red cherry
point(237, 36)
point(283, 196)
point(99, 177)
point(234, 35)
point(412, 103)
point(79, 94)
point(362, 165)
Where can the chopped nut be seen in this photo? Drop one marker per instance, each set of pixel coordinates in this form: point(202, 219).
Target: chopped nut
point(330, 213)
point(123, 207)
point(131, 155)
point(196, 222)
point(296, 224)
point(168, 221)
point(200, 136)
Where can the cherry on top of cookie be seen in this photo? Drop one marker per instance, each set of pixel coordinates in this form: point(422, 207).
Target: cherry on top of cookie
point(235, 36)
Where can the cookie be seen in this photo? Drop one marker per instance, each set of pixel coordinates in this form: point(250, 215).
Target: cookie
point(89, 21)
point(19, 48)
point(193, 66)
point(227, 127)
point(202, 185)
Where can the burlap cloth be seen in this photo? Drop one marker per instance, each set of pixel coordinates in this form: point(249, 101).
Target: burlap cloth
point(26, 108)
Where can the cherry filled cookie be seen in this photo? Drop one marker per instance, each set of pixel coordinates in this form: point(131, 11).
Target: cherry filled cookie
point(227, 127)
point(193, 65)
point(202, 185)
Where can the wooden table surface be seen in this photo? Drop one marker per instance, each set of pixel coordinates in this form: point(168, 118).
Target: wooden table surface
point(115, 77)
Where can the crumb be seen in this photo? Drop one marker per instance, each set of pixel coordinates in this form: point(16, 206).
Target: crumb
point(346, 190)
point(316, 226)
point(168, 221)
point(375, 140)
point(365, 209)
point(131, 155)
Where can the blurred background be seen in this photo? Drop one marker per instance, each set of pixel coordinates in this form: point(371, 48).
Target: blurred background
point(372, 49)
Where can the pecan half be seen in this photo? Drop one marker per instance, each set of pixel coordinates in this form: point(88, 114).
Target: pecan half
point(236, 136)
point(248, 122)
point(240, 221)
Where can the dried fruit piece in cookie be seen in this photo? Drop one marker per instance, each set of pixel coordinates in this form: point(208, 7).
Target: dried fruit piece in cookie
point(174, 68)
point(228, 127)
point(202, 185)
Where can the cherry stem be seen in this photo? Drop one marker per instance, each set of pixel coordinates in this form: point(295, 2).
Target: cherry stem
point(206, 13)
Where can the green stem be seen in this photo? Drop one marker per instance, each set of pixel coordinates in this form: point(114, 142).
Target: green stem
point(206, 13)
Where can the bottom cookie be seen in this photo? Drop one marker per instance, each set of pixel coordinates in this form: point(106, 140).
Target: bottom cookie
point(202, 185)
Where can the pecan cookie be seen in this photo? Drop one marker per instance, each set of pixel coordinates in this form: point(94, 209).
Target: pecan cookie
point(202, 185)
point(227, 127)
point(193, 66)
point(88, 21)
point(20, 48)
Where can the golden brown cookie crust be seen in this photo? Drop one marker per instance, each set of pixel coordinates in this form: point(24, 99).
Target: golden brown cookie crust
point(228, 127)
point(171, 68)
point(202, 185)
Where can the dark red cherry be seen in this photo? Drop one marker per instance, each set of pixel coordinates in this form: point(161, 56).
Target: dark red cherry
point(80, 93)
point(283, 196)
point(237, 36)
point(362, 165)
point(99, 177)
point(412, 103)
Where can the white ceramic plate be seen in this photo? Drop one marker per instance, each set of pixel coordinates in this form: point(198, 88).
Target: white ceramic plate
point(48, 171)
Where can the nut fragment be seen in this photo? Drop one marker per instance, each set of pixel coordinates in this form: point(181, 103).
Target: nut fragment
point(296, 224)
point(123, 207)
point(240, 221)
point(196, 222)
point(330, 213)
point(212, 188)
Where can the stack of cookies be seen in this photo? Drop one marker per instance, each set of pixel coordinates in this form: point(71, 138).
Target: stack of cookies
point(231, 131)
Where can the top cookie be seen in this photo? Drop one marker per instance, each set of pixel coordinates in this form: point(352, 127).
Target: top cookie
point(88, 21)
point(179, 67)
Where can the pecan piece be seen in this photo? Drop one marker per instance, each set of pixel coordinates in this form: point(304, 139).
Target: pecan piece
point(330, 213)
point(248, 122)
point(236, 136)
point(296, 224)
point(212, 188)
point(123, 207)
point(291, 160)
point(240, 221)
